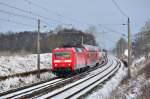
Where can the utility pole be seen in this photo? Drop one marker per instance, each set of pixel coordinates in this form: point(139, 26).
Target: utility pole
point(120, 49)
point(82, 40)
point(38, 49)
point(129, 49)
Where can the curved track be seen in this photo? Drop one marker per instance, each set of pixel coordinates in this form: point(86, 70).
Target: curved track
point(87, 80)
point(76, 89)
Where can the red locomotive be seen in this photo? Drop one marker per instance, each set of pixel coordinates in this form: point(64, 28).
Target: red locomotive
point(69, 59)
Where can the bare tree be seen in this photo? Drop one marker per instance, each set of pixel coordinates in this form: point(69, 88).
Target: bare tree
point(121, 46)
point(141, 45)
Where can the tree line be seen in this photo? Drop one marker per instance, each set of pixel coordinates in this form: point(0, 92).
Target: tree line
point(120, 48)
point(141, 43)
point(27, 40)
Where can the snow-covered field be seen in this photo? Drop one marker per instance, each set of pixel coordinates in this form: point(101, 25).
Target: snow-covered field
point(16, 64)
point(16, 82)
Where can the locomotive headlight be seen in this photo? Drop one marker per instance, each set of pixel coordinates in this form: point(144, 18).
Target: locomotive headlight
point(55, 64)
point(56, 61)
point(67, 61)
point(69, 64)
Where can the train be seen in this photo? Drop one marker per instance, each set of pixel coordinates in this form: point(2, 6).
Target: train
point(70, 59)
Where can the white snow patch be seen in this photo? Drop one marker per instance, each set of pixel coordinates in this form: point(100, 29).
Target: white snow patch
point(126, 52)
point(111, 85)
point(137, 65)
point(16, 64)
point(133, 87)
point(128, 91)
point(17, 82)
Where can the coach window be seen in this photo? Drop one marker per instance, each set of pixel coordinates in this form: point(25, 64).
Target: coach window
point(76, 49)
point(79, 50)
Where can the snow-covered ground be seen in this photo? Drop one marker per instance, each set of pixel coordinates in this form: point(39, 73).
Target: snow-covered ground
point(137, 65)
point(105, 91)
point(137, 87)
point(115, 89)
point(16, 82)
point(132, 89)
point(16, 64)
point(112, 89)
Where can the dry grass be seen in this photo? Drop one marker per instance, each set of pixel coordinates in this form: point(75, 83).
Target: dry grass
point(145, 88)
point(125, 80)
point(145, 71)
point(145, 92)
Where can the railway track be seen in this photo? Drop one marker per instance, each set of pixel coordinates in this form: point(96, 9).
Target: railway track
point(76, 89)
point(46, 89)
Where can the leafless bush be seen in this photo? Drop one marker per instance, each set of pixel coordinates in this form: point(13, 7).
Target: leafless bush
point(117, 95)
point(147, 71)
point(145, 92)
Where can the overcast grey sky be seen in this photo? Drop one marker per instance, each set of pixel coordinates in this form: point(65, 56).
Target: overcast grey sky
point(83, 12)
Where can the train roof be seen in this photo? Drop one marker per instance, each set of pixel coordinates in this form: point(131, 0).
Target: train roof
point(70, 46)
point(91, 47)
point(85, 46)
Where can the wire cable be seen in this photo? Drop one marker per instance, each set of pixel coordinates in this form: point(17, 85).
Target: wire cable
point(121, 11)
point(56, 13)
point(23, 16)
point(32, 13)
point(20, 15)
point(111, 30)
point(15, 22)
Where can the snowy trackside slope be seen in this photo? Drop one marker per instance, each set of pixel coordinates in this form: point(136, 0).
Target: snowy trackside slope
point(137, 65)
point(105, 91)
point(137, 87)
point(17, 64)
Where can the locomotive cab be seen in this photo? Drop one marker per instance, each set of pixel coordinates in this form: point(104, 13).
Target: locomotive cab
point(62, 60)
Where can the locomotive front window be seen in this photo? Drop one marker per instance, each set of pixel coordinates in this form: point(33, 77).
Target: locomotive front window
point(62, 54)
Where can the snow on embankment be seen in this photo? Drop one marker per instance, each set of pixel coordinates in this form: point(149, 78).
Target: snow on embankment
point(120, 88)
point(110, 85)
point(16, 82)
point(137, 87)
point(137, 65)
point(17, 64)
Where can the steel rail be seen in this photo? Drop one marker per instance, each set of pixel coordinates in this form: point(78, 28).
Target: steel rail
point(71, 86)
point(25, 87)
point(94, 84)
point(31, 89)
point(53, 86)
